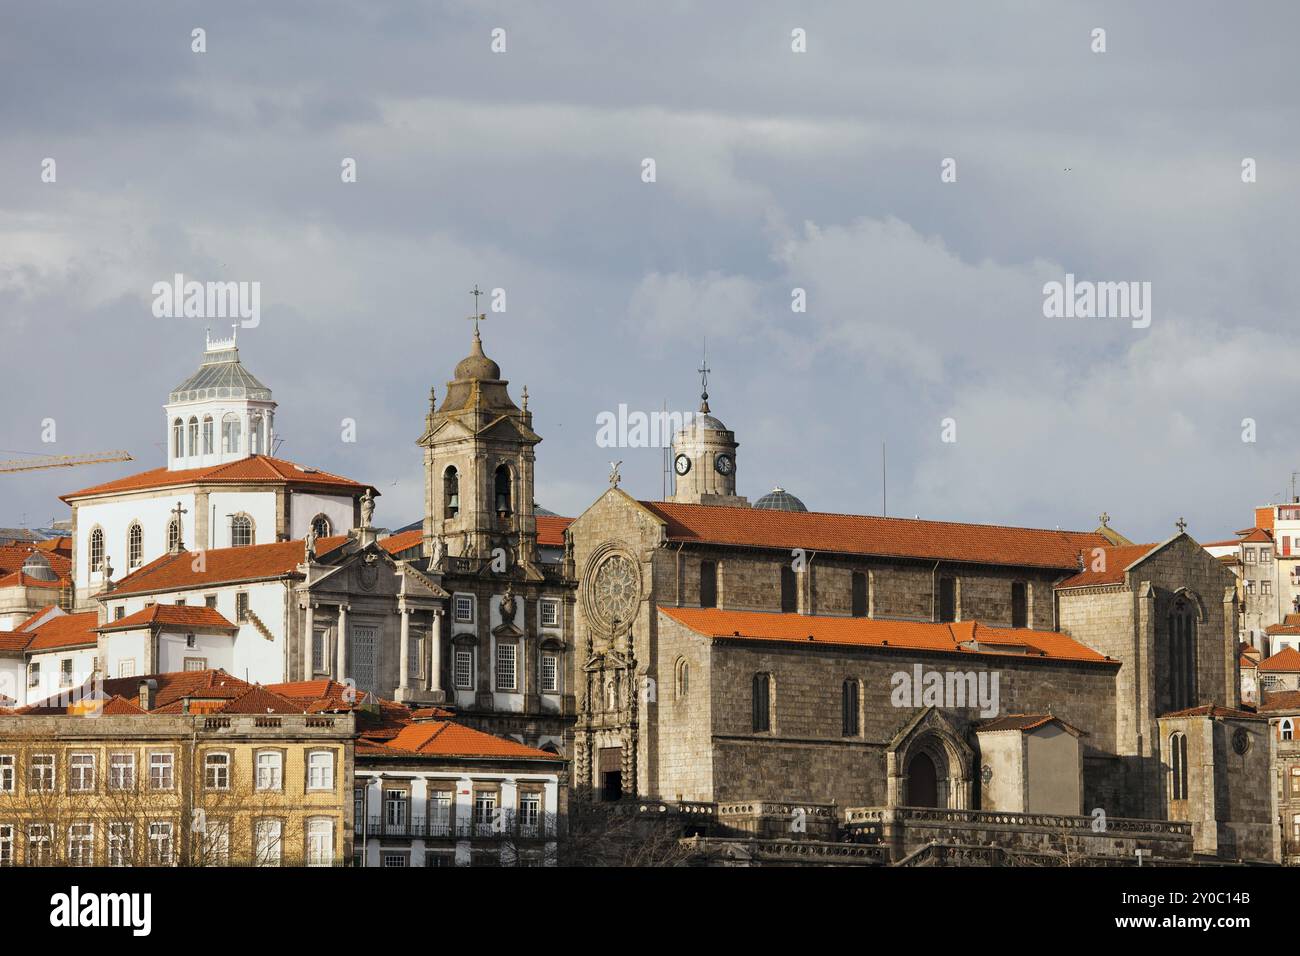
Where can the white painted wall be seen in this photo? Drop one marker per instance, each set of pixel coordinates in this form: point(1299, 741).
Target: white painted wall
point(83, 668)
point(305, 505)
point(13, 678)
point(260, 506)
point(152, 511)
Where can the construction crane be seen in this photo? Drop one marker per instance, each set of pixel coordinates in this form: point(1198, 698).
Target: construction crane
point(62, 461)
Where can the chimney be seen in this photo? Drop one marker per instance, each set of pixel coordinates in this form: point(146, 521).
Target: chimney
point(146, 694)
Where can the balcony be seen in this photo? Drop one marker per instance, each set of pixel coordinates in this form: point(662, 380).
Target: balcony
point(508, 826)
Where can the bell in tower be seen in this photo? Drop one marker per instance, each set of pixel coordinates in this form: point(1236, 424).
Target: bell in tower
point(478, 465)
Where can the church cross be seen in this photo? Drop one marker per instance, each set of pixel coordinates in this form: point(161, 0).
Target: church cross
point(180, 536)
point(477, 316)
point(1181, 525)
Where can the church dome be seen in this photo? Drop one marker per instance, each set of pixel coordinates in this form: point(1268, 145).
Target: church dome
point(37, 566)
point(778, 499)
point(476, 365)
point(221, 375)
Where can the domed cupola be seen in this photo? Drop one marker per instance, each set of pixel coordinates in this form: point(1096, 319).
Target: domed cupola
point(704, 458)
point(476, 366)
point(778, 499)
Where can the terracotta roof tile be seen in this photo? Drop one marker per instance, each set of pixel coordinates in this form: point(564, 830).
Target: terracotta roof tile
point(867, 534)
point(66, 630)
point(1113, 561)
point(550, 530)
point(176, 572)
point(1281, 701)
point(1287, 659)
point(446, 739)
point(260, 700)
point(1212, 710)
point(175, 615)
point(1258, 535)
point(255, 469)
point(27, 624)
point(966, 637)
point(14, 640)
point(402, 541)
point(1025, 723)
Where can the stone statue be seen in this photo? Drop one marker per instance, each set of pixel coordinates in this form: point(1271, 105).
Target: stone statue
point(508, 603)
point(439, 550)
point(309, 544)
point(614, 477)
point(367, 508)
point(464, 547)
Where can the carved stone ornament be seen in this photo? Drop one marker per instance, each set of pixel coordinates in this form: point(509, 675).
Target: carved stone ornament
point(615, 590)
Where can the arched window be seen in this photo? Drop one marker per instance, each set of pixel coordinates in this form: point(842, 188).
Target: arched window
point(1178, 766)
point(241, 531)
point(192, 439)
point(230, 435)
point(859, 594)
point(255, 435)
point(849, 708)
point(207, 434)
point(762, 703)
point(320, 525)
point(178, 439)
point(708, 584)
point(501, 485)
point(134, 545)
point(1182, 653)
point(450, 493)
point(789, 590)
point(173, 535)
point(96, 549)
point(1288, 730)
point(683, 677)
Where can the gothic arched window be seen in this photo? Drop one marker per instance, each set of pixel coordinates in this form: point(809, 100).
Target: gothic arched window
point(1182, 653)
point(178, 439)
point(450, 493)
point(207, 435)
point(501, 487)
point(192, 438)
point(1287, 729)
point(683, 677)
point(134, 545)
point(1178, 766)
point(241, 531)
point(173, 535)
point(849, 708)
point(96, 549)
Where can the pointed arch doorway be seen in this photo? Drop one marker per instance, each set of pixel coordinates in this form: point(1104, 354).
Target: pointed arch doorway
point(922, 781)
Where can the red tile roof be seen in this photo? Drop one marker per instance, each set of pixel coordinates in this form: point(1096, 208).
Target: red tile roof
point(20, 580)
point(1212, 710)
point(173, 615)
point(1287, 659)
point(1281, 702)
point(12, 558)
point(26, 625)
point(176, 572)
point(866, 534)
point(14, 640)
point(256, 469)
point(1258, 535)
point(65, 630)
point(446, 739)
point(966, 637)
point(550, 530)
point(402, 541)
point(1025, 723)
point(1113, 561)
point(1245, 663)
point(260, 700)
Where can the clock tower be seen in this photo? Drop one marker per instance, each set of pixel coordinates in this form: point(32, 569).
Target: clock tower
point(704, 459)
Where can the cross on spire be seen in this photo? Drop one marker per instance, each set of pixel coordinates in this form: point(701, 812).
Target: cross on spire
point(1181, 525)
point(477, 316)
point(704, 378)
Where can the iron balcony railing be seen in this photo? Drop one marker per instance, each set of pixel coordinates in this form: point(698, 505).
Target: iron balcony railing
point(505, 825)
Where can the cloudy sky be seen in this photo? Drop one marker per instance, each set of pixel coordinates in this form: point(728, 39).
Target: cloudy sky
point(775, 170)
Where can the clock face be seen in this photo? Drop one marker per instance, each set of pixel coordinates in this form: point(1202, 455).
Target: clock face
point(723, 464)
point(682, 464)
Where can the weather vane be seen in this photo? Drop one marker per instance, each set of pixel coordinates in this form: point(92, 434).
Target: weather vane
point(477, 316)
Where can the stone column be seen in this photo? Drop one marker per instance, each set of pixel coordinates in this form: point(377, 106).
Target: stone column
point(342, 640)
point(309, 640)
point(435, 652)
point(404, 662)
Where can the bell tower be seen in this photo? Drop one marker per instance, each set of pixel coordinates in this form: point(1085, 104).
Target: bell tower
point(704, 458)
point(478, 466)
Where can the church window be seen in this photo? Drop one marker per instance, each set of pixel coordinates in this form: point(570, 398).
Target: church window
point(1287, 729)
point(192, 438)
point(1178, 766)
point(317, 650)
point(450, 493)
point(173, 535)
point(849, 708)
point(789, 590)
point(1019, 604)
point(859, 597)
point(178, 439)
point(415, 656)
point(464, 609)
point(947, 600)
point(501, 484)
point(505, 666)
point(241, 531)
point(550, 674)
point(708, 584)
point(134, 545)
point(683, 678)
point(320, 526)
point(463, 668)
point(762, 703)
point(96, 549)
point(230, 435)
point(550, 612)
point(1182, 653)
point(207, 434)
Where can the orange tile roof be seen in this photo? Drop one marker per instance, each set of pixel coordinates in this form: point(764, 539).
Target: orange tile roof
point(259, 700)
point(432, 713)
point(1025, 723)
point(1287, 659)
point(443, 738)
point(255, 469)
point(1258, 535)
point(176, 572)
point(1282, 701)
point(119, 706)
point(550, 530)
point(175, 615)
point(25, 625)
point(20, 580)
point(1245, 663)
point(12, 558)
point(867, 534)
point(65, 630)
point(1116, 560)
point(14, 640)
point(965, 637)
point(1212, 710)
point(1282, 628)
point(402, 540)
